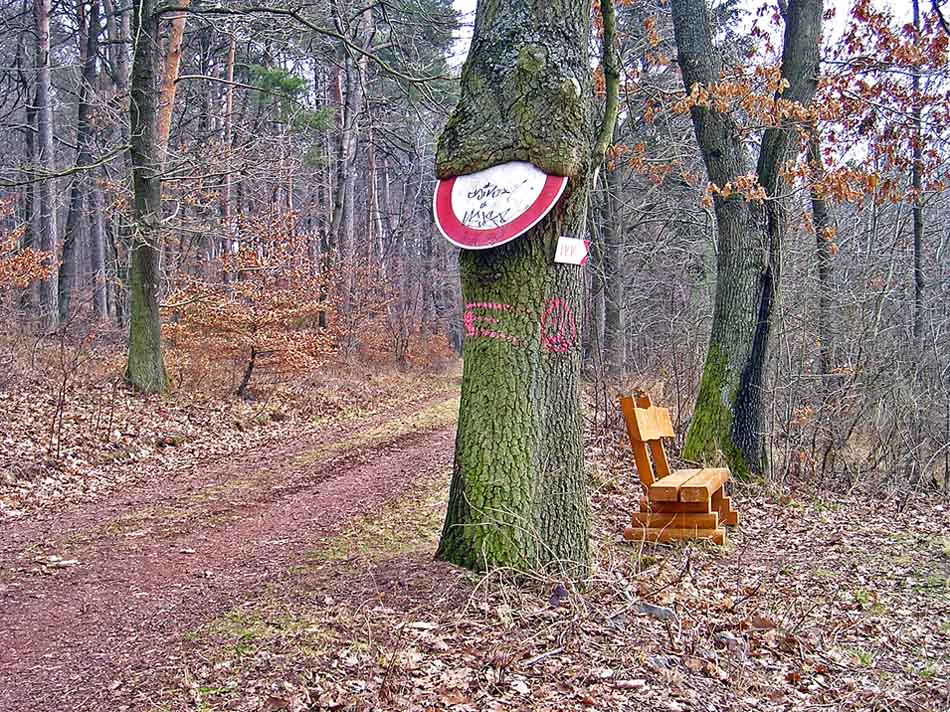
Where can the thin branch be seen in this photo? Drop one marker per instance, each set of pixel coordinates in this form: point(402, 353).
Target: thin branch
point(72, 170)
point(326, 32)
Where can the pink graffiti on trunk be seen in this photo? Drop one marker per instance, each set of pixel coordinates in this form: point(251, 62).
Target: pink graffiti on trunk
point(469, 319)
point(558, 326)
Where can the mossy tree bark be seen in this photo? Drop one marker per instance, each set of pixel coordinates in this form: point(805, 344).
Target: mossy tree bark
point(728, 418)
point(517, 497)
point(145, 370)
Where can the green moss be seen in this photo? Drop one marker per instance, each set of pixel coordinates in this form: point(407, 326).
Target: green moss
point(709, 439)
point(511, 107)
point(532, 58)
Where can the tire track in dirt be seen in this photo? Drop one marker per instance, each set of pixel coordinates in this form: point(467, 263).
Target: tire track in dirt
point(70, 640)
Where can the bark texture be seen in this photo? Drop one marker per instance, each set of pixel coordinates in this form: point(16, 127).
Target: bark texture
point(146, 367)
point(517, 497)
point(166, 104)
point(824, 224)
point(728, 418)
point(82, 181)
point(918, 209)
point(615, 354)
point(45, 207)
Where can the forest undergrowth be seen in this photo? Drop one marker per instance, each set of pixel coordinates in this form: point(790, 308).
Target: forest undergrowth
point(818, 601)
point(70, 429)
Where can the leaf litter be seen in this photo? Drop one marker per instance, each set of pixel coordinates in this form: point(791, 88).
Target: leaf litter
point(837, 603)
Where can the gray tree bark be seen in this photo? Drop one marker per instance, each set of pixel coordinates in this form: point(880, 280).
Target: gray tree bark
point(82, 180)
point(46, 207)
point(97, 253)
point(614, 274)
point(29, 215)
point(917, 183)
point(145, 370)
point(823, 222)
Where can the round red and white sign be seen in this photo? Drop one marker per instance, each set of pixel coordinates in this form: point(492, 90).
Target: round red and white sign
point(494, 206)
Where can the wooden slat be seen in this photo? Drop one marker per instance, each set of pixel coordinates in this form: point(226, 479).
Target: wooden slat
point(677, 520)
point(652, 423)
point(702, 486)
point(642, 460)
point(675, 507)
point(660, 464)
point(723, 505)
point(640, 457)
point(669, 534)
point(668, 488)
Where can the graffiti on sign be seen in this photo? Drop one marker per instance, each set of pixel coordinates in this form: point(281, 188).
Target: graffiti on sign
point(494, 206)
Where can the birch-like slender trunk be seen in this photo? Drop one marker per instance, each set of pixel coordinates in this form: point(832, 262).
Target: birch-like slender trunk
point(82, 180)
point(228, 245)
point(45, 203)
point(824, 229)
point(918, 205)
point(614, 275)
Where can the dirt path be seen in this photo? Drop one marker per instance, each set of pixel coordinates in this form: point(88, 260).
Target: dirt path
point(156, 562)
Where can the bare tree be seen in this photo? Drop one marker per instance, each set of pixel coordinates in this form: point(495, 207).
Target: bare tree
point(728, 418)
point(145, 370)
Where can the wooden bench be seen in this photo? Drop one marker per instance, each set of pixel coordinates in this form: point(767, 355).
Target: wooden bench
point(685, 504)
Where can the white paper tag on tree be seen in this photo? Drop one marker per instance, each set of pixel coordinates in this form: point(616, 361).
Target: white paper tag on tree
point(571, 250)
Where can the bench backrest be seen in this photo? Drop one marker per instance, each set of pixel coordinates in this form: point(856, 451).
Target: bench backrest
point(647, 424)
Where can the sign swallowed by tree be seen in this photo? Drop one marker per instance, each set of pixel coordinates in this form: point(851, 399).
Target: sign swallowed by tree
point(517, 498)
point(491, 207)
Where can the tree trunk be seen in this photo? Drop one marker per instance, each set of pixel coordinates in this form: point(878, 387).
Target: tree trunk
point(166, 104)
point(350, 96)
point(81, 186)
point(227, 222)
point(97, 253)
point(146, 367)
point(728, 419)
point(593, 356)
point(614, 274)
point(918, 208)
point(824, 229)
point(29, 216)
point(517, 497)
point(46, 161)
point(119, 30)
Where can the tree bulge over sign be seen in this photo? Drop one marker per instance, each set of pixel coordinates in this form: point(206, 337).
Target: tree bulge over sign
point(517, 497)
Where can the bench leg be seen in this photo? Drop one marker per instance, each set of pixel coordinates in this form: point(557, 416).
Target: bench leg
point(723, 505)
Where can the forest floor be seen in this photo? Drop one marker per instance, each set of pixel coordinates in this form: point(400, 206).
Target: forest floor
point(296, 573)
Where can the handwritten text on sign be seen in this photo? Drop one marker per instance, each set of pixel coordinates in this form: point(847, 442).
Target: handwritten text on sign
point(571, 250)
point(488, 208)
point(496, 196)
